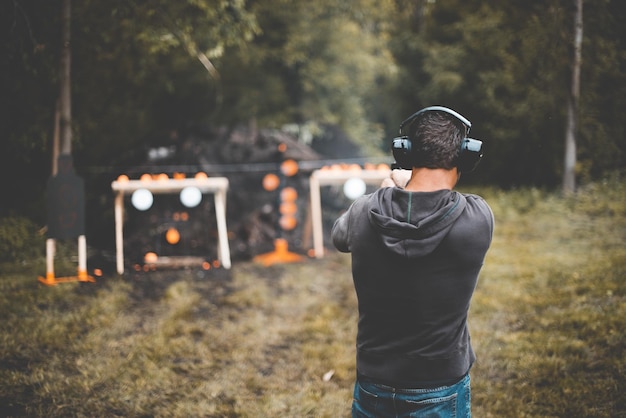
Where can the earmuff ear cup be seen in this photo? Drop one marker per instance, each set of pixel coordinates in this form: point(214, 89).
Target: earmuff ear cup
point(401, 150)
point(470, 155)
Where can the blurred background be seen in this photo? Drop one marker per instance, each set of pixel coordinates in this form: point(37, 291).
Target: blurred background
point(218, 85)
point(238, 89)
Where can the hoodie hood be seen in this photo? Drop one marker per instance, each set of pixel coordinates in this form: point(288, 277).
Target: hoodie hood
point(413, 224)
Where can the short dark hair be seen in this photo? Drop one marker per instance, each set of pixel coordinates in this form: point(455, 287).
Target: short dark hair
point(436, 140)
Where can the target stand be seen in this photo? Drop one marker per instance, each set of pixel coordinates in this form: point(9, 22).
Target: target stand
point(203, 184)
point(65, 204)
point(81, 276)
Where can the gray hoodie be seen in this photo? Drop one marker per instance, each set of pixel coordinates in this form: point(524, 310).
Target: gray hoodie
point(415, 263)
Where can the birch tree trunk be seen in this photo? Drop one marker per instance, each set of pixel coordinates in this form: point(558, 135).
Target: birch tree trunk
point(569, 172)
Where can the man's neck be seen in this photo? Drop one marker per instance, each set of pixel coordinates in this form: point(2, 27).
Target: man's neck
point(432, 179)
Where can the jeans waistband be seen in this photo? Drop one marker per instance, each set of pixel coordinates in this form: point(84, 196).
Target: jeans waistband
point(399, 386)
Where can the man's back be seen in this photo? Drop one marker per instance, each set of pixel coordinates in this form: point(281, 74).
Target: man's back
point(415, 263)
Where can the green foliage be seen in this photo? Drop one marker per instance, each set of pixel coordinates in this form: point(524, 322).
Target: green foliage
point(314, 62)
point(29, 51)
point(151, 51)
point(20, 239)
point(506, 66)
point(481, 58)
point(549, 305)
point(145, 73)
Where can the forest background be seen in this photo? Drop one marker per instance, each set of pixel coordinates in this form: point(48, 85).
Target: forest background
point(143, 73)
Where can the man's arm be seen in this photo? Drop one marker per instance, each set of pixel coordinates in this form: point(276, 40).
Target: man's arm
point(340, 232)
point(341, 229)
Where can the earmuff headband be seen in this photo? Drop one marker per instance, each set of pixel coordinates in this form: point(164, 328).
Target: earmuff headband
point(449, 111)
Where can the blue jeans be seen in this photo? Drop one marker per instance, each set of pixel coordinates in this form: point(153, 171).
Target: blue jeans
point(372, 400)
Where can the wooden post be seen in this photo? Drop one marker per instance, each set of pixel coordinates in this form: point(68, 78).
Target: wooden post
point(220, 214)
point(119, 232)
point(316, 214)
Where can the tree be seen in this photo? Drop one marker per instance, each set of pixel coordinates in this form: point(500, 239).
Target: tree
point(320, 62)
point(144, 72)
point(132, 79)
point(65, 97)
point(29, 45)
point(569, 172)
point(156, 56)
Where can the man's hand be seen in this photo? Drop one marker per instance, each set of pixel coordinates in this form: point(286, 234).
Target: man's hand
point(398, 178)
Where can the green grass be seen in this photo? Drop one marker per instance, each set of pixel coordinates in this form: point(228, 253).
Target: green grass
point(550, 309)
point(547, 324)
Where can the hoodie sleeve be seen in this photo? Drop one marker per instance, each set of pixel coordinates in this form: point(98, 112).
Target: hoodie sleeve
point(339, 233)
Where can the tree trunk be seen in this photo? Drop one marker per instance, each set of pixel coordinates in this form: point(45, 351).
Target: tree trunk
point(418, 15)
point(569, 172)
point(65, 88)
point(55, 139)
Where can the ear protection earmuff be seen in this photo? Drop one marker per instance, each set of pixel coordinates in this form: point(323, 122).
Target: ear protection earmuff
point(469, 156)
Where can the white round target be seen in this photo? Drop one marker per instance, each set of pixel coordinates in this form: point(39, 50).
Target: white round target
point(142, 199)
point(354, 188)
point(190, 196)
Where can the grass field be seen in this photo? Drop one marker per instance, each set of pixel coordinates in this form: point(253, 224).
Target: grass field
point(547, 322)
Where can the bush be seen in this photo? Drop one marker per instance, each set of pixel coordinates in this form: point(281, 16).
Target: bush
point(20, 239)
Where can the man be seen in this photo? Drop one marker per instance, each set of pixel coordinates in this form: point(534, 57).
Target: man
point(417, 249)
